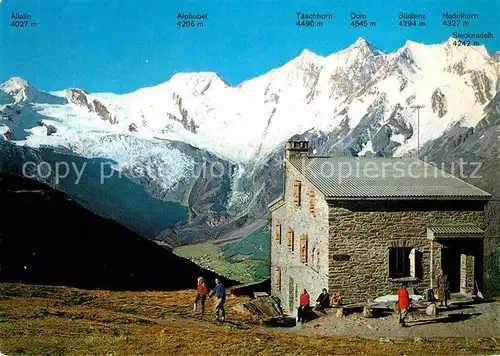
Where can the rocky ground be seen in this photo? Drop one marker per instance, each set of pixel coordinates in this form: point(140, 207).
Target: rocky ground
point(463, 320)
point(44, 320)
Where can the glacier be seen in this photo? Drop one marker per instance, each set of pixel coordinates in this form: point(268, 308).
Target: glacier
point(357, 101)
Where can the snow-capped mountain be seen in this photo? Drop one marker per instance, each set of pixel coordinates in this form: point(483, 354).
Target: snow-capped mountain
point(357, 101)
point(309, 92)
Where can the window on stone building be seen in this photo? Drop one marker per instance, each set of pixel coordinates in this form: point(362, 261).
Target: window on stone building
point(290, 241)
point(312, 202)
point(277, 277)
point(277, 236)
point(296, 192)
point(399, 262)
point(303, 248)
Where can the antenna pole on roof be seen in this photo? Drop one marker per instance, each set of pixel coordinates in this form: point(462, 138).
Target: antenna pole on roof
point(418, 107)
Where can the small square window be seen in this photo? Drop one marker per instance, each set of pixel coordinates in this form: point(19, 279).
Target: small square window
point(399, 262)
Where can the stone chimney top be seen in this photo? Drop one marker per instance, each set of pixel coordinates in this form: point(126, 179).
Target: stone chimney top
point(296, 149)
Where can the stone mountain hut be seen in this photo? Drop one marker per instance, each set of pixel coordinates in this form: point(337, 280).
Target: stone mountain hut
point(363, 226)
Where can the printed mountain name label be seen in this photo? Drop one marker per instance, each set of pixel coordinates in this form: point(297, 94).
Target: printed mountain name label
point(410, 16)
point(459, 16)
point(181, 16)
point(457, 19)
point(409, 19)
point(468, 35)
point(467, 38)
point(361, 20)
point(187, 20)
point(20, 16)
point(312, 19)
point(22, 20)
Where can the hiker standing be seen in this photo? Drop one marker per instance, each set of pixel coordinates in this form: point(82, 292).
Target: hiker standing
point(403, 304)
point(220, 293)
point(443, 288)
point(303, 307)
point(201, 295)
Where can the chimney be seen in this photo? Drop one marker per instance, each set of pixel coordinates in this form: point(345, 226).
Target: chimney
point(299, 149)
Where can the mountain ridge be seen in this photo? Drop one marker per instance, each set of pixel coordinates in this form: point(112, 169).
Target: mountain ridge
point(349, 102)
point(94, 253)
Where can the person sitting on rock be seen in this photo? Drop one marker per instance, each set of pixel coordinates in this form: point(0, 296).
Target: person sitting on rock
point(323, 301)
point(336, 299)
point(303, 311)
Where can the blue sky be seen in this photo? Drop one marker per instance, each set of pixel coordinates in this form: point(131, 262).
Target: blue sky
point(120, 46)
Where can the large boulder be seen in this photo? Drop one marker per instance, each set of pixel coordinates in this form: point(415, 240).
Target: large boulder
point(431, 309)
point(262, 309)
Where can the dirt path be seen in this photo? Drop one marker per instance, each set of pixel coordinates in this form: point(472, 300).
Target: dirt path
point(468, 321)
point(44, 320)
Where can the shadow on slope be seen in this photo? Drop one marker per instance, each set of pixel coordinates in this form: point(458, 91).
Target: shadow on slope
point(116, 197)
point(474, 154)
point(47, 238)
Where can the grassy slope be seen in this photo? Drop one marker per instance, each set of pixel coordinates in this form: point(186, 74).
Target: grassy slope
point(208, 256)
point(38, 320)
point(254, 247)
point(246, 260)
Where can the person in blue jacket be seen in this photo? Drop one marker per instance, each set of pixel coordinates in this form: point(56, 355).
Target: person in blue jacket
point(220, 292)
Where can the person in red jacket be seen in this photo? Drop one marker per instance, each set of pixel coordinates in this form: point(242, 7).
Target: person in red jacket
point(201, 295)
point(403, 304)
point(302, 312)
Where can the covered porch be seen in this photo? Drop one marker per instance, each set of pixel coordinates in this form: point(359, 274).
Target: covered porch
point(458, 251)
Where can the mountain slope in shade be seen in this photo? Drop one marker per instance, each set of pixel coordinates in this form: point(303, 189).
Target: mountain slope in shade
point(479, 148)
point(116, 197)
point(47, 238)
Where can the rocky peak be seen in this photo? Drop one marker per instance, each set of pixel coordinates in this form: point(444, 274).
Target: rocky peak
point(51, 129)
point(355, 67)
point(22, 91)
point(438, 103)
point(16, 87)
point(5, 133)
point(77, 96)
point(450, 42)
point(307, 56)
point(306, 67)
point(409, 48)
point(482, 86)
point(183, 117)
point(198, 83)
point(365, 47)
point(82, 99)
point(14, 84)
point(406, 56)
point(101, 110)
